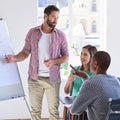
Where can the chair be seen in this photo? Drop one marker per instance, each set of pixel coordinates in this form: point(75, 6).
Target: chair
point(118, 78)
point(114, 109)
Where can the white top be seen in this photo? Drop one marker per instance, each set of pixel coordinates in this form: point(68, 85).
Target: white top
point(43, 54)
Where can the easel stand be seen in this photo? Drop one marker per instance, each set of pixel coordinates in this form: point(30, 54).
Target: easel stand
point(12, 95)
point(28, 108)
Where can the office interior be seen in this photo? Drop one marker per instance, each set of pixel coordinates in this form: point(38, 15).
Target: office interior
point(20, 16)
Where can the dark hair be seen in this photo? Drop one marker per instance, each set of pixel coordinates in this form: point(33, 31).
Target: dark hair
point(92, 50)
point(103, 59)
point(50, 8)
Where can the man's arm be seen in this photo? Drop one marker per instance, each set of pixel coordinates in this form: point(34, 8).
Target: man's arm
point(61, 59)
point(16, 58)
point(52, 62)
point(64, 54)
point(85, 98)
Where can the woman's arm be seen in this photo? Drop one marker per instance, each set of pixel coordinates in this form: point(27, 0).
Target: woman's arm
point(69, 83)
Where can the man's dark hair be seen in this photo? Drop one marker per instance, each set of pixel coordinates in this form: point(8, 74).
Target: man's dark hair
point(50, 8)
point(103, 59)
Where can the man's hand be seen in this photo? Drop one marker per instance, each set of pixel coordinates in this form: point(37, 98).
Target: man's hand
point(10, 58)
point(49, 63)
point(79, 73)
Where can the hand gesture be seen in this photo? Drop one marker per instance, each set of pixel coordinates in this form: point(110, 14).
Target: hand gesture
point(49, 63)
point(79, 73)
point(9, 58)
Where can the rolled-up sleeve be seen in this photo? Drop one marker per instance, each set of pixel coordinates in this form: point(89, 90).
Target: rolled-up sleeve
point(64, 46)
point(27, 47)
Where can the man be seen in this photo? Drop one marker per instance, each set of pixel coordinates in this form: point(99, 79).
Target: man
point(96, 91)
point(48, 48)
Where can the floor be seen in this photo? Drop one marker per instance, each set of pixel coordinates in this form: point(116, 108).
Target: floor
point(29, 119)
point(47, 119)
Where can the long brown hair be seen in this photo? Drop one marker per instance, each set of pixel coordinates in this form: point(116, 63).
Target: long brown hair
point(92, 50)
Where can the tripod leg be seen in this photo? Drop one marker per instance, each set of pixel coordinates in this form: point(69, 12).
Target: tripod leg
point(28, 108)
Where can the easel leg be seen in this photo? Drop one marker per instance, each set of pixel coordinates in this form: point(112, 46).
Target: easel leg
point(28, 108)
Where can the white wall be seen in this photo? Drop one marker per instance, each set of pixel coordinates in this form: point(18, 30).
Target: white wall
point(113, 35)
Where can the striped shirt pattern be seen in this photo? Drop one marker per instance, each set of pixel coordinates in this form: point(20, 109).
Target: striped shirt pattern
point(58, 48)
point(94, 96)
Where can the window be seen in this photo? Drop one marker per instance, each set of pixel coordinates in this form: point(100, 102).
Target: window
point(94, 7)
point(82, 21)
point(93, 26)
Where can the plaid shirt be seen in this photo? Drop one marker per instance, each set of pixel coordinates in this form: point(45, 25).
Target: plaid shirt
point(58, 48)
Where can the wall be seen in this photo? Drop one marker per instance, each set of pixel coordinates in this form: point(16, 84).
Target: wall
point(113, 35)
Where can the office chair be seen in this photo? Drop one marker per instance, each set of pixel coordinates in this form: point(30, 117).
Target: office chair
point(114, 109)
point(118, 78)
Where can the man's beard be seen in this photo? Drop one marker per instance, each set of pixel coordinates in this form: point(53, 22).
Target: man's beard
point(50, 24)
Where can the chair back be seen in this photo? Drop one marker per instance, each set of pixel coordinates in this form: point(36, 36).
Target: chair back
point(118, 78)
point(114, 109)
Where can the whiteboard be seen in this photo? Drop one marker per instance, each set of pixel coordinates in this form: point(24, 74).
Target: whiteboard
point(10, 81)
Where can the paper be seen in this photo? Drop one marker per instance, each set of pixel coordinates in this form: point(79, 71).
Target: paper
point(10, 82)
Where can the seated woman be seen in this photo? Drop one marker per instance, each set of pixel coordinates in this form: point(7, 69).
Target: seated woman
point(74, 83)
